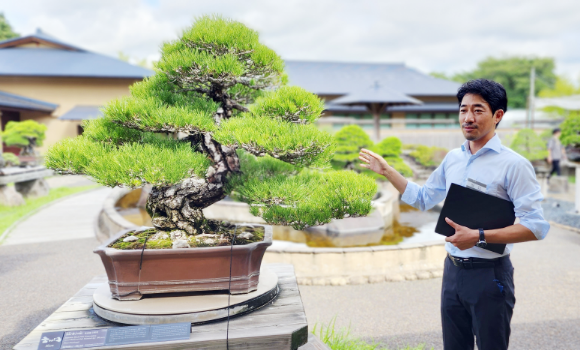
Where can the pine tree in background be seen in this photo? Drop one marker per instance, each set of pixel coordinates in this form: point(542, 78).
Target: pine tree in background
point(217, 120)
point(530, 145)
point(6, 31)
point(26, 135)
point(351, 139)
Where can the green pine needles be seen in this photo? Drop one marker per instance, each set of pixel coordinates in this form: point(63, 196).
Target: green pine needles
point(352, 138)
point(530, 145)
point(26, 134)
point(216, 119)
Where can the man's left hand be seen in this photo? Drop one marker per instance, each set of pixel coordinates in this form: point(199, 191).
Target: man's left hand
point(464, 237)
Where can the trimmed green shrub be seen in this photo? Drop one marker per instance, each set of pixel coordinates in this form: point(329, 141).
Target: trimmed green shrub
point(530, 145)
point(428, 156)
point(351, 139)
point(571, 129)
point(10, 159)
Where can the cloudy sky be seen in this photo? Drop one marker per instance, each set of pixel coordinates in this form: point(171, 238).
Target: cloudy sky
point(430, 35)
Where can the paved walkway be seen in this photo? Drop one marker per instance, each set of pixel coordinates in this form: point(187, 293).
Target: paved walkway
point(70, 218)
point(36, 278)
point(546, 316)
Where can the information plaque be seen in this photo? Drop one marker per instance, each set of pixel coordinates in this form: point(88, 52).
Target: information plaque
point(50, 340)
point(90, 338)
point(128, 335)
point(84, 339)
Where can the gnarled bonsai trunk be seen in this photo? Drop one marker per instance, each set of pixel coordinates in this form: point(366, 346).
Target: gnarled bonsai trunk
point(180, 206)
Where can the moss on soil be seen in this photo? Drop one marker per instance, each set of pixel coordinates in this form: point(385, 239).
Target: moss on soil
point(224, 229)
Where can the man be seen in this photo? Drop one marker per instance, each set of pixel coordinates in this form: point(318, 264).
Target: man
point(477, 297)
point(555, 152)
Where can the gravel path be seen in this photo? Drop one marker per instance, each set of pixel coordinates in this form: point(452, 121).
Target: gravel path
point(561, 211)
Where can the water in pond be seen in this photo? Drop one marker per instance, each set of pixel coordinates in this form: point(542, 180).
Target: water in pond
point(414, 226)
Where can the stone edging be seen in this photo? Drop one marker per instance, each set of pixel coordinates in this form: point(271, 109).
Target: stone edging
point(109, 221)
point(342, 266)
point(566, 227)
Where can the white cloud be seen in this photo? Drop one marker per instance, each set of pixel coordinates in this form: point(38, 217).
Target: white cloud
point(442, 35)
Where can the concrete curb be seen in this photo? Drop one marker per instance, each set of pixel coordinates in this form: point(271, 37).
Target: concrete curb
point(28, 215)
point(566, 227)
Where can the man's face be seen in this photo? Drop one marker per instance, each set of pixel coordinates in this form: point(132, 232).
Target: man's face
point(475, 117)
point(557, 135)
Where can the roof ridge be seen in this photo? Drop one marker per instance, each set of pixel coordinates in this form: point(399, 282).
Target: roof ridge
point(349, 62)
point(38, 37)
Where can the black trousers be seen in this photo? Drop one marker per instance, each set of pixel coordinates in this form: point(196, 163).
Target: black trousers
point(477, 303)
point(555, 168)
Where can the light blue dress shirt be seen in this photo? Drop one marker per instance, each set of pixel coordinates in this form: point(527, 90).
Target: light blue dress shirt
point(505, 173)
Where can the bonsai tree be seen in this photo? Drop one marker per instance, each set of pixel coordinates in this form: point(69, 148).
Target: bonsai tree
point(10, 159)
point(26, 135)
point(530, 145)
point(217, 120)
point(390, 148)
point(429, 157)
point(351, 138)
point(571, 129)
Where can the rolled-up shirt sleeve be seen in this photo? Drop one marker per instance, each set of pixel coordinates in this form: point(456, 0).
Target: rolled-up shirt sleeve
point(425, 197)
point(526, 195)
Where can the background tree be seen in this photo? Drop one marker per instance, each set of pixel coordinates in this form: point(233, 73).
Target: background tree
point(513, 73)
point(6, 31)
point(571, 130)
point(429, 157)
point(26, 135)
point(390, 148)
point(267, 153)
point(351, 139)
point(530, 145)
point(563, 87)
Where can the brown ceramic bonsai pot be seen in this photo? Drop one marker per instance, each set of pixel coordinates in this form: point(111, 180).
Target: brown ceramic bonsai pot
point(183, 269)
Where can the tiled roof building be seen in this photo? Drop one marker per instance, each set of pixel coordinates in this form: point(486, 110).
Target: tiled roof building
point(332, 80)
point(58, 84)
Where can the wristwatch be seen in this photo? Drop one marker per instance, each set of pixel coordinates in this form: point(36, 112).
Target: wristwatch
point(481, 243)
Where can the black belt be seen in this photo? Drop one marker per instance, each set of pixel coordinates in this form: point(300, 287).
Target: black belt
point(475, 263)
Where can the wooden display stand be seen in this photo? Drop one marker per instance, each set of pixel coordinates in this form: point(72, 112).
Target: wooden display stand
point(281, 324)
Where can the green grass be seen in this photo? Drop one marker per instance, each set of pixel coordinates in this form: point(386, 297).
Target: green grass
point(9, 215)
point(572, 179)
point(342, 339)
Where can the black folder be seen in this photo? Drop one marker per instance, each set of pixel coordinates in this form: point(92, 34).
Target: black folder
point(474, 209)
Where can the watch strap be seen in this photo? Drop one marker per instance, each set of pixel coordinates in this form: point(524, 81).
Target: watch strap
point(481, 235)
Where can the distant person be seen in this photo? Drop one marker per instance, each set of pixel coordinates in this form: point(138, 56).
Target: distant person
point(556, 152)
point(477, 297)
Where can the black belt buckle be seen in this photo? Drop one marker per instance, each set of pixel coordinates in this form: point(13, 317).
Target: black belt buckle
point(465, 263)
point(468, 260)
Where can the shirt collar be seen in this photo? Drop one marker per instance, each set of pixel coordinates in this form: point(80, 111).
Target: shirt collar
point(493, 144)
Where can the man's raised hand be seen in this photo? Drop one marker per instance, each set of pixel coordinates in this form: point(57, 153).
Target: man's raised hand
point(373, 161)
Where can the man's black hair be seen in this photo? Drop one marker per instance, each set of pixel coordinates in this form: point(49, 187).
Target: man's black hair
point(493, 93)
point(556, 130)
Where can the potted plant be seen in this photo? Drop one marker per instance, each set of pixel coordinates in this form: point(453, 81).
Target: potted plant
point(532, 147)
point(216, 119)
point(26, 135)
